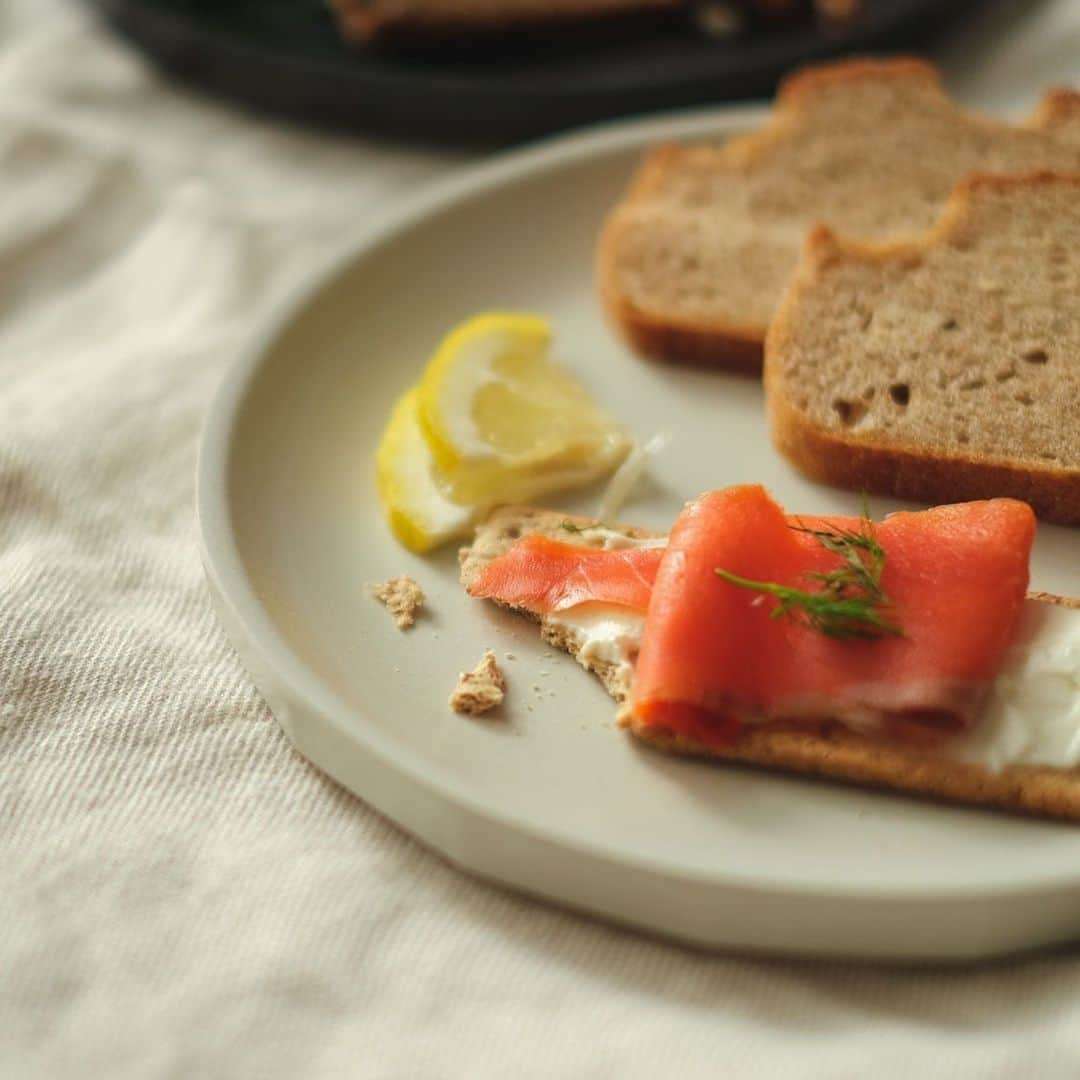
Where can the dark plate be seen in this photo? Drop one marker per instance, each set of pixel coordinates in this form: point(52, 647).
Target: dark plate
point(285, 57)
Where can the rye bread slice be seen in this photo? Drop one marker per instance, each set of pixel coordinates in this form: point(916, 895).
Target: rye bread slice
point(829, 752)
point(692, 263)
point(371, 20)
point(946, 367)
point(415, 20)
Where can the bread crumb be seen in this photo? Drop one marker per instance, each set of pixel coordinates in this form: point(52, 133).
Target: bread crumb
point(510, 656)
point(402, 597)
point(480, 690)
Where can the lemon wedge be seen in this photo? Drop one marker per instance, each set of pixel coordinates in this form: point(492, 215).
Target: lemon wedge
point(493, 420)
point(504, 422)
point(421, 516)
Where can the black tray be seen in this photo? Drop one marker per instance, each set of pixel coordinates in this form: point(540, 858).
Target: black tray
point(285, 57)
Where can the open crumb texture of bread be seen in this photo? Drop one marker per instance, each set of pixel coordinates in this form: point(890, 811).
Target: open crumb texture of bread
point(480, 690)
point(944, 367)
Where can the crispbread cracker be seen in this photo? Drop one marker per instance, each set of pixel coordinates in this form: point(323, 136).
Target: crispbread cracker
point(502, 530)
point(694, 259)
point(831, 753)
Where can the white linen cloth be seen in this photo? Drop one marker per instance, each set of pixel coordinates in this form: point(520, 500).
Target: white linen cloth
point(180, 893)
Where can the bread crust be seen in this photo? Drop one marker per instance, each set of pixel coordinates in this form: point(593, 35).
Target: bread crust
point(802, 83)
point(374, 20)
point(873, 462)
point(830, 752)
point(674, 340)
point(670, 336)
point(1059, 110)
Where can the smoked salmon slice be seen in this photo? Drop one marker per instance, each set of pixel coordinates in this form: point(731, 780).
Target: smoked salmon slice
point(543, 575)
point(713, 656)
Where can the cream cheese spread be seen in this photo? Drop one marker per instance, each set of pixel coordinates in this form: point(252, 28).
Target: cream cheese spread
point(1031, 715)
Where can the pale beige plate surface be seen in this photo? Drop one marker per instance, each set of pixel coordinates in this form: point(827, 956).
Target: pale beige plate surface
point(554, 799)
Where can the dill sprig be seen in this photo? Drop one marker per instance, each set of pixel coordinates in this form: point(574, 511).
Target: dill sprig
point(570, 527)
point(849, 602)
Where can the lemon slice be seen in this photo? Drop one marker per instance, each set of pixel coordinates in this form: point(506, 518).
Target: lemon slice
point(420, 514)
point(506, 423)
point(492, 421)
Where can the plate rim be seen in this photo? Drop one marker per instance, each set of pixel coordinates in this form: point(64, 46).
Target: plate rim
point(246, 618)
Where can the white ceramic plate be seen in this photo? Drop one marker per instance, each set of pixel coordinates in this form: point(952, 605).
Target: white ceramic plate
point(553, 799)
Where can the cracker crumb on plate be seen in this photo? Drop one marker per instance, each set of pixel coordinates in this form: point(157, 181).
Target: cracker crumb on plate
point(480, 690)
point(402, 597)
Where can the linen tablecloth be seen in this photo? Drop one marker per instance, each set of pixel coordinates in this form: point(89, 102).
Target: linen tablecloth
point(180, 893)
